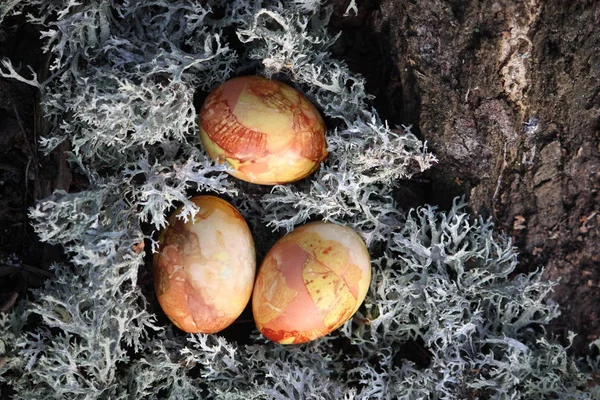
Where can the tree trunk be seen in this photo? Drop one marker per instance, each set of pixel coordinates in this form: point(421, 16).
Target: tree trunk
point(507, 95)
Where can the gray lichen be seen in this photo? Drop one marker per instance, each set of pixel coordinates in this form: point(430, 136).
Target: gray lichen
point(120, 92)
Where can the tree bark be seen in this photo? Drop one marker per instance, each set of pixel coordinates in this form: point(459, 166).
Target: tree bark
point(507, 95)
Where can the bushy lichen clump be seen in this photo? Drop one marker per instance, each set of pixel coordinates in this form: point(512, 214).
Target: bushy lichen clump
point(120, 90)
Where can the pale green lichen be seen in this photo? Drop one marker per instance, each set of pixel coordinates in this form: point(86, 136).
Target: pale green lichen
point(120, 92)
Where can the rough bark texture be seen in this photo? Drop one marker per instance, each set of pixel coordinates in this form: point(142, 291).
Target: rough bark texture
point(507, 95)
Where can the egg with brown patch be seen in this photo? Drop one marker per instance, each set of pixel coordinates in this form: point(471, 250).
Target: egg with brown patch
point(268, 132)
point(204, 269)
point(310, 283)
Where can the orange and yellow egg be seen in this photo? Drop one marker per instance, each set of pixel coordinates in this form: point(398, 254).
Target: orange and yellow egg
point(204, 269)
point(268, 132)
point(311, 282)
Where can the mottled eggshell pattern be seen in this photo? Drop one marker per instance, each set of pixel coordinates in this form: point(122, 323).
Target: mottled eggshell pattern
point(266, 130)
point(204, 269)
point(310, 283)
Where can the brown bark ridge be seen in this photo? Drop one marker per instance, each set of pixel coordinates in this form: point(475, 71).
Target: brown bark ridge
point(507, 94)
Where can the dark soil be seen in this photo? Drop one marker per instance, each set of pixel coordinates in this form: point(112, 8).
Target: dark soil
point(25, 175)
point(505, 92)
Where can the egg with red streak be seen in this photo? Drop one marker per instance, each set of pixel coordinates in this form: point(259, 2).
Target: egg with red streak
point(267, 131)
point(310, 283)
point(204, 269)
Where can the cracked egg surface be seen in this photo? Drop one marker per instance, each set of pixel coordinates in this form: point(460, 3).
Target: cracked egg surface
point(204, 269)
point(267, 131)
point(310, 283)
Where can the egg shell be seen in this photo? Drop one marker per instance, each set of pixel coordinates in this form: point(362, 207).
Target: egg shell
point(204, 269)
point(266, 130)
point(310, 283)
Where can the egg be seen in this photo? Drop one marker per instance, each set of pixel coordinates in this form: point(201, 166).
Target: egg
point(204, 269)
point(268, 132)
point(310, 282)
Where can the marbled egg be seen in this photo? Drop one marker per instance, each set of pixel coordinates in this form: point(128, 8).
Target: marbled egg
point(204, 269)
point(267, 131)
point(310, 283)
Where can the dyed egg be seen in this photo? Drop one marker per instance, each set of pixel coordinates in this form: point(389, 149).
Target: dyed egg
point(310, 283)
point(266, 130)
point(204, 269)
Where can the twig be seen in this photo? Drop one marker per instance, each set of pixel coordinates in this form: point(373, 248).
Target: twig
point(6, 269)
point(32, 157)
point(32, 154)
